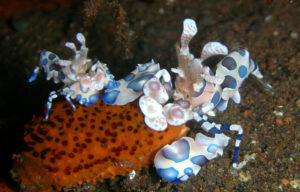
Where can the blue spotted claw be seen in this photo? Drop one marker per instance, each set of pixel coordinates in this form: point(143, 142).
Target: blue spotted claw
point(235, 68)
point(130, 87)
point(49, 63)
point(185, 157)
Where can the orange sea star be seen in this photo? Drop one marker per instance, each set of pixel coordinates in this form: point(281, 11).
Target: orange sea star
point(88, 145)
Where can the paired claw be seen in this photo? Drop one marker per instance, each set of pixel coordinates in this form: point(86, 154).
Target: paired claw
point(199, 90)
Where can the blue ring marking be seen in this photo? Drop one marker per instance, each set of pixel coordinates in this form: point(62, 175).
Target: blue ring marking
point(51, 68)
point(112, 84)
point(81, 89)
point(51, 56)
point(197, 94)
point(183, 151)
point(142, 68)
point(225, 127)
point(94, 98)
point(241, 52)
point(44, 53)
point(239, 137)
point(71, 69)
point(216, 98)
point(212, 148)
point(45, 61)
point(129, 77)
point(200, 160)
point(62, 75)
point(212, 131)
point(188, 171)
point(242, 71)
point(229, 63)
point(235, 154)
point(208, 120)
point(137, 85)
point(201, 122)
point(111, 77)
point(110, 97)
point(169, 174)
point(84, 100)
point(229, 82)
point(87, 104)
point(78, 97)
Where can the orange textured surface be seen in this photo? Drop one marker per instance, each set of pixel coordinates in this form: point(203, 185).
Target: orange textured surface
point(10, 7)
point(88, 145)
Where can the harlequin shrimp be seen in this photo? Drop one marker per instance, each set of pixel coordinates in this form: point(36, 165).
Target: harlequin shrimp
point(77, 83)
point(198, 91)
